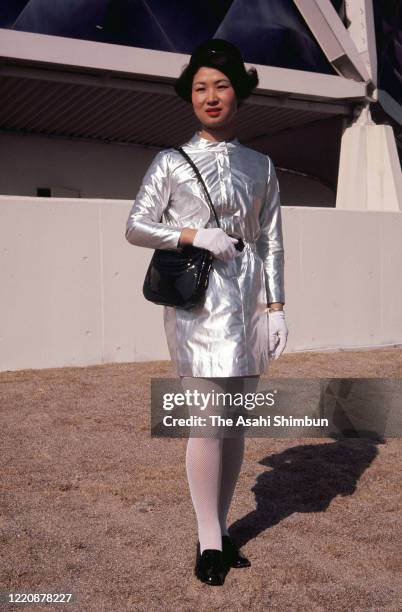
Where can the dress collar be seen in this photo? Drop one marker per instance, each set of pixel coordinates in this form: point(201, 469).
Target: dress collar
point(199, 142)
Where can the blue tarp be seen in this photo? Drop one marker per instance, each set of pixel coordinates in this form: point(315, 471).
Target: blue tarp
point(268, 32)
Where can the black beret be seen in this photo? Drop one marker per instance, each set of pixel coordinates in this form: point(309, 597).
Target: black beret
point(224, 56)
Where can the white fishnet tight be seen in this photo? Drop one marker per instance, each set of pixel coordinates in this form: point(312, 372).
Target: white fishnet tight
point(213, 463)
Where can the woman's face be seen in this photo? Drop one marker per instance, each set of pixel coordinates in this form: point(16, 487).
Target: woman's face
point(213, 97)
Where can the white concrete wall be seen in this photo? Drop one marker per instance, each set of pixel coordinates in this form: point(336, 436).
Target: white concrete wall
point(71, 285)
point(99, 170)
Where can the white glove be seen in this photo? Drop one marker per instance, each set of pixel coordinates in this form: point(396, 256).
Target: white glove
point(214, 239)
point(278, 333)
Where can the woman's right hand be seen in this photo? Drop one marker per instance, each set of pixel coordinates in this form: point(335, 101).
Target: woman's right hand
point(216, 241)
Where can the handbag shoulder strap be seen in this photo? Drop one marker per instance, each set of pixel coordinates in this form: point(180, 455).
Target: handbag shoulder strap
point(190, 161)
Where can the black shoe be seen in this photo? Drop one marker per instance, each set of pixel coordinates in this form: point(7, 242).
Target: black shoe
point(209, 567)
point(231, 554)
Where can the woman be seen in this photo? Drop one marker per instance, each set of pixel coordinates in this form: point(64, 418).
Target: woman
point(224, 343)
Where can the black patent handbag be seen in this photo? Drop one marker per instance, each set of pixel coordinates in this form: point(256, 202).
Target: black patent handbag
point(179, 277)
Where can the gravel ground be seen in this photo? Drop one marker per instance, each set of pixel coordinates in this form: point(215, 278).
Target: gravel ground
point(92, 505)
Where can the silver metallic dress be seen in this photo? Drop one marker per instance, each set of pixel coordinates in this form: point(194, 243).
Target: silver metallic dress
point(227, 334)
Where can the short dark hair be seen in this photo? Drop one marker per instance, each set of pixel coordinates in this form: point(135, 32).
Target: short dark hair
point(224, 56)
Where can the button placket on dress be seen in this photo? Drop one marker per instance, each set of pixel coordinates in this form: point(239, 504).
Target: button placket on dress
point(226, 188)
point(221, 173)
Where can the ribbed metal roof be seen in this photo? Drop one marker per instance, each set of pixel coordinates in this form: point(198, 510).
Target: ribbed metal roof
point(115, 114)
point(55, 86)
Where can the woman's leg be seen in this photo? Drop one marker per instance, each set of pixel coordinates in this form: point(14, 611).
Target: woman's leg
point(233, 451)
point(232, 459)
point(213, 463)
point(203, 466)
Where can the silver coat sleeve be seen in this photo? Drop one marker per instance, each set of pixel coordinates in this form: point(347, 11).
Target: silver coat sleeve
point(144, 227)
point(270, 241)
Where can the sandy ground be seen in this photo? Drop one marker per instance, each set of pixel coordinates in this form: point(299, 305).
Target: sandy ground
point(92, 505)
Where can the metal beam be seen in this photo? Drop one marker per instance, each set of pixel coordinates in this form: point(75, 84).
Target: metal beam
point(333, 38)
point(152, 70)
point(361, 29)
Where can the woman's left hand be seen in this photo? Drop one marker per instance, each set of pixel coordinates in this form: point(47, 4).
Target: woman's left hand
point(278, 333)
